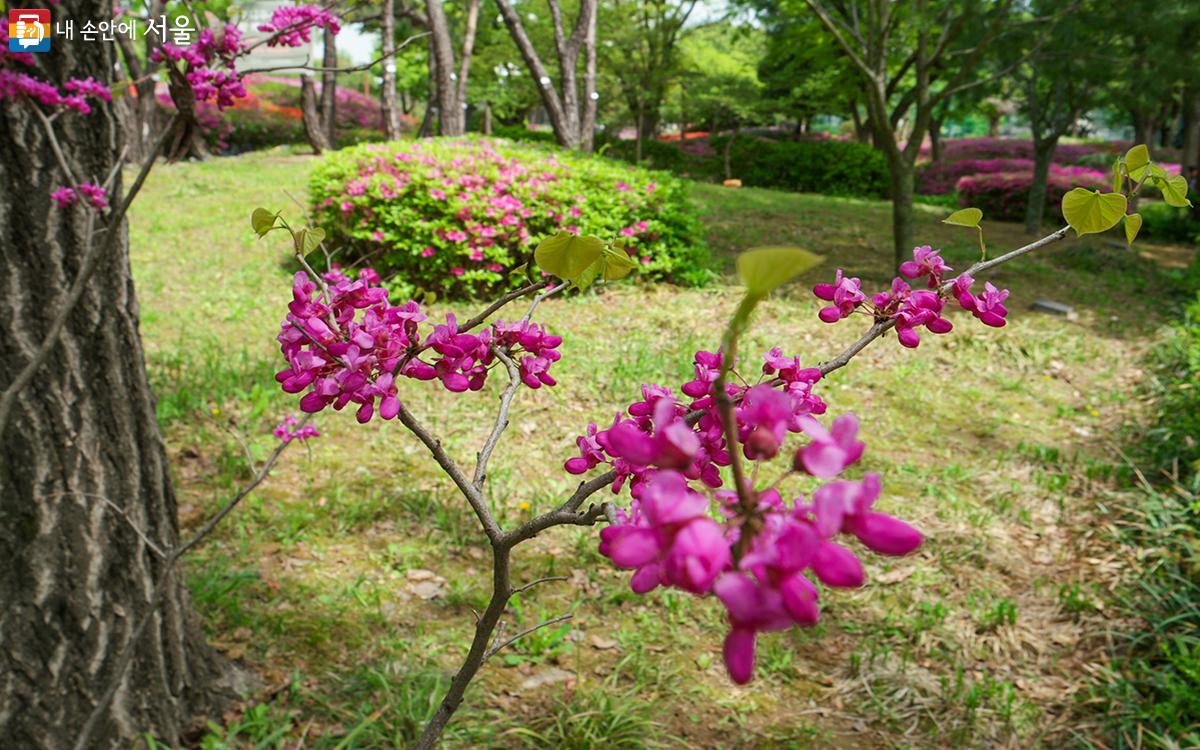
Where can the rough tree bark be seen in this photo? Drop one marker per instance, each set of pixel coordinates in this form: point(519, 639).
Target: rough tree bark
point(391, 123)
point(76, 578)
point(329, 89)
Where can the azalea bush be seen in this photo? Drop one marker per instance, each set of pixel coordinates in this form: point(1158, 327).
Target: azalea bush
point(960, 149)
point(1005, 195)
point(458, 216)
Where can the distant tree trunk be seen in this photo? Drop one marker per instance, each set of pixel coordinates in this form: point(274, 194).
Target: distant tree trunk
point(187, 139)
point(568, 114)
point(487, 118)
point(75, 577)
point(1190, 157)
point(329, 90)
point(1143, 127)
point(903, 177)
point(442, 69)
point(313, 130)
point(391, 123)
point(728, 155)
point(464, 64)
point(1035, 209)
point(935, 140)
point(639, 129)
point(862, 130)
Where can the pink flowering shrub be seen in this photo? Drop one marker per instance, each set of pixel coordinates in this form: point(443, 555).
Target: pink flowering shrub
point(960, 149)
point(457, 216)
point(1005, 195)
point(941, 178)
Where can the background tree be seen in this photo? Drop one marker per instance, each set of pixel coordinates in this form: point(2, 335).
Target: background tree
point(721, 67)
point(910, 57)
point(572, 112)
point(803, 71)
point(644, 56)
point(1059, 78)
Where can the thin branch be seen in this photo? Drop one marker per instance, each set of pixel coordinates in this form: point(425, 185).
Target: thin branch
point(542, 297)
point(535, 582)
point(552, 621)
point(485, 453)
point(452, 470)
point(504, 300)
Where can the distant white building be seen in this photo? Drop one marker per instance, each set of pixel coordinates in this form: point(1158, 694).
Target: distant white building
point(254, 14)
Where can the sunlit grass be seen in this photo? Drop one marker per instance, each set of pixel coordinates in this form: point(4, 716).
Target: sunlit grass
point(986, 439)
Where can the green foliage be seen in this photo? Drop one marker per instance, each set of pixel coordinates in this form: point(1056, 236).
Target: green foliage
point(1153, 690)
point(458, 215)
point(829, 167)
point(1174, 438)
point(567, 255)
point(601, 716)
point(1168, 224)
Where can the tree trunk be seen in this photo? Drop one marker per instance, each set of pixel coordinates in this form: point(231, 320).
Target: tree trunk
point(902, 179)
point(313, 130)
point(187, 139)
point(442, 70)
point(728, 155)
point(329, 90)
point(391, 123)
point(1043, 154)
point(935, 140)
point(487, 118)
point(1190, 157)
point(1143, 128)
point(76, 578)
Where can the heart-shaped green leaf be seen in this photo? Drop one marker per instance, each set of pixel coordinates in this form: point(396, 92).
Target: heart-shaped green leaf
point(764, 269)
point(617, 264)
point(262, 221)
point(1133, 222)
point(310, 239)
point(1090, 212)
point(614, 263)
point(1174, 190)
point(964, 217)
point(567, 255)
point(1137, 157)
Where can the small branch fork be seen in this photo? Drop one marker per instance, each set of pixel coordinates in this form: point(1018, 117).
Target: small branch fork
point(489, 628)
point(169, 559)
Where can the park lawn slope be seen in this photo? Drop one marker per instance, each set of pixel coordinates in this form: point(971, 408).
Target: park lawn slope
point(993, 442)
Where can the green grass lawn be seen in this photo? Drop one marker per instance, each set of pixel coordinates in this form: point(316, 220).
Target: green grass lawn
point(995, 442)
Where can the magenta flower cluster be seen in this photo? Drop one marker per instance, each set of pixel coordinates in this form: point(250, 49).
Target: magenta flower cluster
point(760, 562)
point(913, 308)
point(17, 85)
point(345, 343)
point(210, 62)
point(94, 195)
point(290, 429)
point(292, 25)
